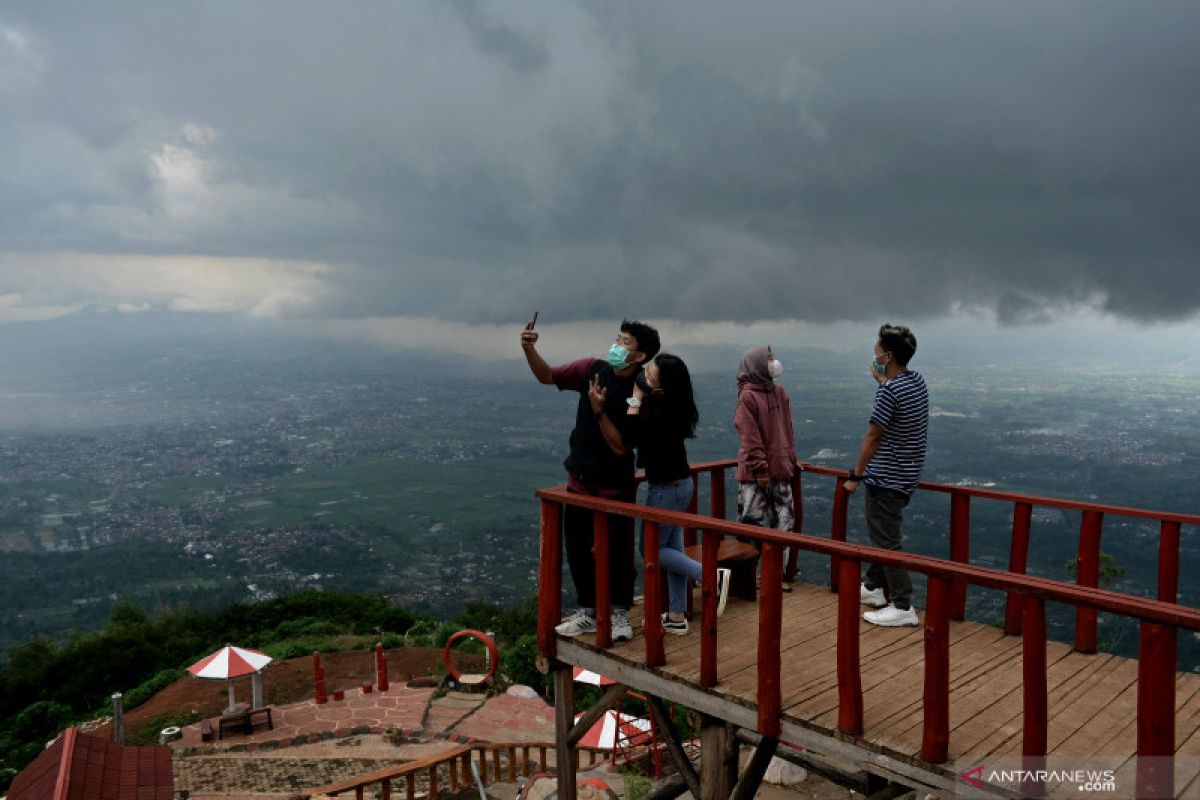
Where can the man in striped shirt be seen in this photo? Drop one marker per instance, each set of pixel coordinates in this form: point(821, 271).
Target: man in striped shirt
point(889, 463)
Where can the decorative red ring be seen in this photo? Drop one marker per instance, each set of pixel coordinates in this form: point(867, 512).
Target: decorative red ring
point(493, 653)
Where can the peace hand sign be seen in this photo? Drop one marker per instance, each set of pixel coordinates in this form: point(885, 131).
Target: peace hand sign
point(597, 394)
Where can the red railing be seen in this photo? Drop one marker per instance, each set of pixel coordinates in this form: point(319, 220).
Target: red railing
point(947, 583)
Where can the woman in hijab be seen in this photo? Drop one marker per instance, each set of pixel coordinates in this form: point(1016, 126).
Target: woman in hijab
point(665, 410)
point(767, 452)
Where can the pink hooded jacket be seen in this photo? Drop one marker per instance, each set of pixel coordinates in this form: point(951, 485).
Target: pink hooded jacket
point(763, 418)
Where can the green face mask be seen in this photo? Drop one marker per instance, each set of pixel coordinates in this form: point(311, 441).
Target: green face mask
point(618, 357)
point(880, 369)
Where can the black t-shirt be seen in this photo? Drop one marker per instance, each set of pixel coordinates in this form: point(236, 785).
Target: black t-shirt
point(660, 445)
point(591, 460)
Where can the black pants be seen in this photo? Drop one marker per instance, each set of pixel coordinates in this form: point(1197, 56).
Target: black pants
point(579, 535)
point(884, 507)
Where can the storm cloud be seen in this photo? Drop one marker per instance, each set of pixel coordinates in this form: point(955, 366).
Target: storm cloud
point(702, 161)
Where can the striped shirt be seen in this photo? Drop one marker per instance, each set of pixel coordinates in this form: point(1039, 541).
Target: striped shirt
point(902, 410)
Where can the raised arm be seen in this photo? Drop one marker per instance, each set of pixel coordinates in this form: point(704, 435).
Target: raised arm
point(537, 364)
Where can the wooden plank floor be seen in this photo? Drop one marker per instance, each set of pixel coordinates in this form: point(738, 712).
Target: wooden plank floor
point(1092, 698)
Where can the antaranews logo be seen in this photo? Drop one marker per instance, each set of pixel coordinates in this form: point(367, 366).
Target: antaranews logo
point(972, 777)
point(1091, 775)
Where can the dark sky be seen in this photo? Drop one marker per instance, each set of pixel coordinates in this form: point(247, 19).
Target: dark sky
point(694, 161)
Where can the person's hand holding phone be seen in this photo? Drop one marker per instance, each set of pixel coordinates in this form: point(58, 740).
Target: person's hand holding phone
point(529, 336)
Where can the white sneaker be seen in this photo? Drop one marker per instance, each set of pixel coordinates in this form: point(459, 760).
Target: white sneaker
point(723, 576)
point(891, 617)
point(677, 628)
point(622, 631)
point(576, 624)
point(871, 597)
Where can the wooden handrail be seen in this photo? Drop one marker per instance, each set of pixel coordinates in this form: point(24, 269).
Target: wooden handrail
point(948, 580)
point(1144, 608)
point(458, 758)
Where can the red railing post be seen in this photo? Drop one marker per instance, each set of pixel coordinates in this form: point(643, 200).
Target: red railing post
point(600, 553)
point(708, 609)
point(381, 675)
point(1088, 574)
point(1168, 562)
point(321, 695)
point(960, 550)
point(793, 559)
point(770, 630)
point(717, 501)
point(1156, 711)
point(1034, 734)
point(1018, 562)
point(849, 665)
point(549, 578)
point(837, 528)
point(652, 624)
point(935, 737)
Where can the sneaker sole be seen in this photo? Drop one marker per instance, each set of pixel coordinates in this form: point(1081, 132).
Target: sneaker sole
point(872, 603)
point(894, 623)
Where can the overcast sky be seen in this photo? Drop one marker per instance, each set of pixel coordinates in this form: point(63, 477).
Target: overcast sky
point(402, 166)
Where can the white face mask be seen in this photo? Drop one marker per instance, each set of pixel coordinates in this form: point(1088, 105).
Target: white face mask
point(775, 367)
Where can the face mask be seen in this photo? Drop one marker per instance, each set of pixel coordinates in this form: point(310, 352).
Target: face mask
point(775, 368)
point(881, 369)
point(618, 357)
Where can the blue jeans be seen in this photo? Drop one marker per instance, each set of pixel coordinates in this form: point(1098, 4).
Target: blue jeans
point(671, 559)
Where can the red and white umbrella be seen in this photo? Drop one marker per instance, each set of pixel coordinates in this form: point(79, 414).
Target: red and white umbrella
point(632, 730)
point(228, 663)
point(581, 675)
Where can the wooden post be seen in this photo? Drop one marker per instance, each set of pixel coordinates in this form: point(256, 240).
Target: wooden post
point(603, 593)
point(960, 550)
point(1168, 562)
point(689, 534)
point(1088, 574)
point(564, 706)
point(652, 627)
point(322, 696)
point(708, 609)
point(381, 676)
point(549, 579)
point(935, 738)
point(714, 778)
point(770, 631)
point(849, 669)
point(1156, 711)
point(793, 553)
point(837, 530)
point(747, 787)
point(1018, 562)
point(1033, 664)
point(717, 501)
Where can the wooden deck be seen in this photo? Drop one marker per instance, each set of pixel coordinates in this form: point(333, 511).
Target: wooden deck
point(1092, 698)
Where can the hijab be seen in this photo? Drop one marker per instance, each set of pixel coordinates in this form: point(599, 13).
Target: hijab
point(753, 368)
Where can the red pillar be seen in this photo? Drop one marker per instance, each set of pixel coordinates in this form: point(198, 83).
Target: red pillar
point(549, 578)
point(935, 738)
point(1018, 561)
point(837, 530)
point(849, 665)
point(319, 680)
point(381, 676)
point(960, 551)
point(770, 631)
point(1088, 574)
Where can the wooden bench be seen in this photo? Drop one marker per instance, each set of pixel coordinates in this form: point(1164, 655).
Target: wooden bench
point(741, 559)
point(246, 721)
